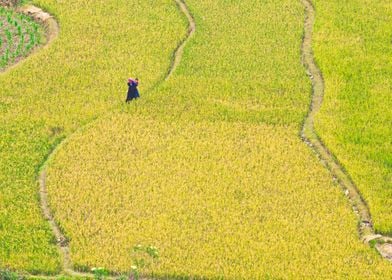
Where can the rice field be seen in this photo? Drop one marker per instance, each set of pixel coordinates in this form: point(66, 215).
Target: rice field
point(201, 166)
point(253, 210)
point(61, 88)
point(353, 48)
point(207, 166)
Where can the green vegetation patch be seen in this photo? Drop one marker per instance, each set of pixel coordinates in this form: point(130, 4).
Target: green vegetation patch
point(19, 34)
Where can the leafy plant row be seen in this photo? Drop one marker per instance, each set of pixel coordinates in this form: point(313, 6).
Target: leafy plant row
point(19, 34)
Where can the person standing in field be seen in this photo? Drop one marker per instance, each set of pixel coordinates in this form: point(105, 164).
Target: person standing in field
point(133, 92)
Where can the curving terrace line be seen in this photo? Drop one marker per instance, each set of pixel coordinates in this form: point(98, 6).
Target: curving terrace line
point(62, 240)
point(308, 134)
point(177, 55)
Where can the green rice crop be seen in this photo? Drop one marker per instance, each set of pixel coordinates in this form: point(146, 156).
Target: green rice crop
point(353, 47)
point(19, 34)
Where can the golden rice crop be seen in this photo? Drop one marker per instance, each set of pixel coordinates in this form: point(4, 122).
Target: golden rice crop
point(219, 200)
point(80, 76)
point(352, 46)
point(209, 168)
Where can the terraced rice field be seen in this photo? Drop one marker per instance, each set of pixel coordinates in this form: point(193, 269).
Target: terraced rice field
point(208, 166)
point(59, 89)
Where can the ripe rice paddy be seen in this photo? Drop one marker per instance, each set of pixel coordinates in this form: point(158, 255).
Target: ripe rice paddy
point(253, 210)
point(201, 167)
point(207, 166)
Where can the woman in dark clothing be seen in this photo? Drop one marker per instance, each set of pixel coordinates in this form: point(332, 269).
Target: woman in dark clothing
point(133, 92)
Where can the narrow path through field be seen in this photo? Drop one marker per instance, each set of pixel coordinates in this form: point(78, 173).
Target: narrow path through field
point(310, 137)
point(177, 55)
point(61, 239)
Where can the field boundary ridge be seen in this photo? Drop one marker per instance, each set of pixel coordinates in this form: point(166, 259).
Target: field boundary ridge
point(179, 51)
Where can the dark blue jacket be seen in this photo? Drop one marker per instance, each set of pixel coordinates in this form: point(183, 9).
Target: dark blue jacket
point(132, 91)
